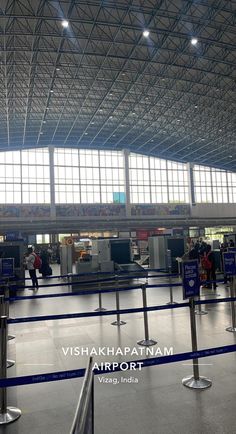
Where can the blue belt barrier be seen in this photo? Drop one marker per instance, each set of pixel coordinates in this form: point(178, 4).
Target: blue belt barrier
point(77, 373)
point(87, 292)
point(114, 312)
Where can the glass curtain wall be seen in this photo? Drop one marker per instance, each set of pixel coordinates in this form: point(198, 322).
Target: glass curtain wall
point(87, 176)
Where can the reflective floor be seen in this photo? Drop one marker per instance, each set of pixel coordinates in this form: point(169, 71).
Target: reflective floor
point(157, 403)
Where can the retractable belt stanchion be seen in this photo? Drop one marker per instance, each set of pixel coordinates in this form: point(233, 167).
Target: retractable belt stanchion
point(118, 321)
point(7, 414)
point(199, 310)
point(195, 381)
point(100, 308)
point(2, 313)
point(7, 303)
point(232, 294)
point(147, 341)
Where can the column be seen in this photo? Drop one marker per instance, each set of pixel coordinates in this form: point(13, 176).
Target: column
point(52, 182)
point(127, 182)
point(191, 184)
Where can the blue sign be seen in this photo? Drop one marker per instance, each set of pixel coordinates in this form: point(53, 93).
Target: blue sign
point(232, 249)
point(191, 281)
point(229, 263)
point(7, 267)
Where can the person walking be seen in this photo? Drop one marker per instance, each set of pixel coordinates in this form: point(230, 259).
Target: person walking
point(31, 265)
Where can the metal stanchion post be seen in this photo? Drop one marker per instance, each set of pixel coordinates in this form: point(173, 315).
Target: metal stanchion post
point(232, 294)
point(2, 313)
point(100, 308)
point(146, 342)
point(171, 288)
point(199, 310)
point(7, 414)
point(118, 321)
point(195, 381)
point(7, 296)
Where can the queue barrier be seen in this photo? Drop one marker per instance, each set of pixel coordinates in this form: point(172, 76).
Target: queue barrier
point(9, 414)
point(78, 373)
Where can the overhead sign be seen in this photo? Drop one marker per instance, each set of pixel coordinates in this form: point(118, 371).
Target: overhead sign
point(191, 281)
point(229, 263)
point(7, 267)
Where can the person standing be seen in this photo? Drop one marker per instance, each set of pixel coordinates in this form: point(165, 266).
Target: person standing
point(30, 264)
point(209, 264)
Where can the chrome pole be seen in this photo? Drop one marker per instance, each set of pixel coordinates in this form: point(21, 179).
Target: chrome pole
point(147, 341)
point(232, 294)
point(7, 308)
point(195, 381)
point(118, 321)
point(171, 288)
point(7, 414)
point(199, 310)
point(100, 308)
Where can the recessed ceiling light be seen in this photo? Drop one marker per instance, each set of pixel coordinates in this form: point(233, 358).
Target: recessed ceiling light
point(85, 134)
point(47, 108)
point(178, 120)
point(57, 69)
point(194, 41)
point(51, 91)
point(122, 125)
point(133, 113)
point(196, 106)
point(146, 33)
point(231, 156)
point(114, 135)
point(111, 117)
point(92, 123)
point(110, 93)
point(152, 140)
point(100, 110)
point(41, 132)
point(220, 130)
point(65, 24)
point(44, 122)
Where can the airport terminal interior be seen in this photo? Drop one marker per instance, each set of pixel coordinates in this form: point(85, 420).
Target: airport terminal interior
point(117, 216)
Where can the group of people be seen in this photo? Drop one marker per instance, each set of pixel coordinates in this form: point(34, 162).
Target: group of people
point(34, 262)
point(207, 260)
point(206, 257)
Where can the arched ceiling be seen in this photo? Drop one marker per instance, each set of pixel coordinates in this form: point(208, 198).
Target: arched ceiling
point(100, 83)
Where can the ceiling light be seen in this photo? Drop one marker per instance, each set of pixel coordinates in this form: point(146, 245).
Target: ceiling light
point(65, 24)
point(146, 33)
point(57, 69)
point(111, 94)
point(178, 120)
point(220, 130)
point(122, 125)
point(92, 123)
point(51, 91)
point(44, 122)
point(114, 135)
point(194, 41)
point(100, 110)
point(85, 134)
point(196, 106)
point(231, 156)
point(41, 132)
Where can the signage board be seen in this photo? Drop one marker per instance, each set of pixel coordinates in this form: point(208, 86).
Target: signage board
point(7, 267)
point(191, 281)
point(229, 263)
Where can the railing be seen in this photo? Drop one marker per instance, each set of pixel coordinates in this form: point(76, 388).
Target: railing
point(83, 422)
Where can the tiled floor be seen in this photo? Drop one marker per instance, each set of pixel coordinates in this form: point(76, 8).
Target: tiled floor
point(158, 403)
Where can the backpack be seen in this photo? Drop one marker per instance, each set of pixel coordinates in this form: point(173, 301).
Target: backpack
point(37, 261)
point(206, 263)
